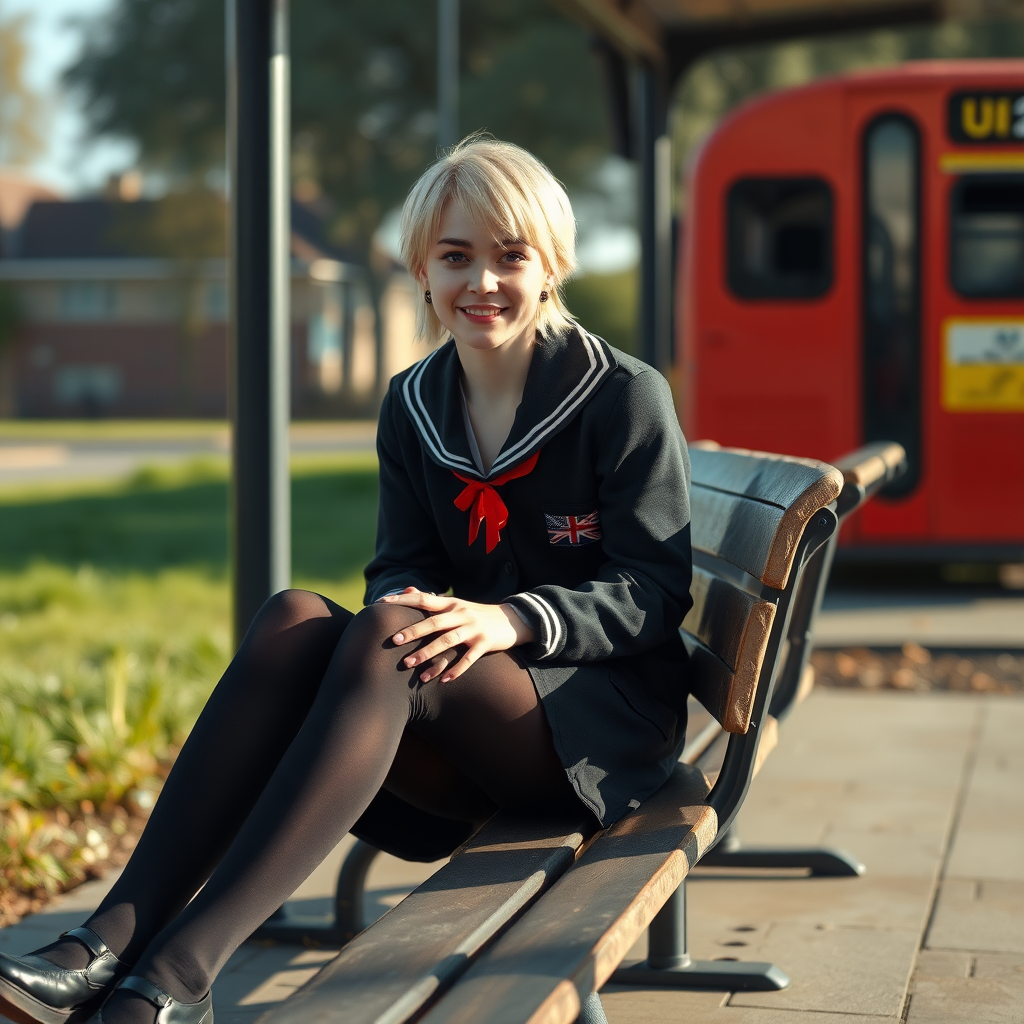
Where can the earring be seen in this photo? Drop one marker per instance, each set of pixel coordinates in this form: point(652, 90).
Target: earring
point(543, 296)
point(426, 295)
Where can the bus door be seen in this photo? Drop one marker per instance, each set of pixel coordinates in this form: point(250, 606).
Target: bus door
point(892, 363)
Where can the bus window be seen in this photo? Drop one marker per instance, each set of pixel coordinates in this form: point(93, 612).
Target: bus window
point(987, 243)
point(892, 332)
point(780, 238)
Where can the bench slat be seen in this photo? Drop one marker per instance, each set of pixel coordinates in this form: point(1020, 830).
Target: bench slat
point(780, 480)
point(574, 938)
point(720, 615)
point(737, 529)
point(734, 627)
point(740, 512)
point(386, 974)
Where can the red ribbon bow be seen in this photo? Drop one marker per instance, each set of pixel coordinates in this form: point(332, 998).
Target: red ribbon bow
point(487, 504)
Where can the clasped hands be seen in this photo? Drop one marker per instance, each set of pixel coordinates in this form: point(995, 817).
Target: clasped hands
point(476, 628)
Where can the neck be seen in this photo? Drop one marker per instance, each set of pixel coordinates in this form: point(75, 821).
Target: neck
point(497, 376)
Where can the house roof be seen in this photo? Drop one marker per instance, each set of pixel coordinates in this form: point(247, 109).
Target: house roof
point(111, 229)
point(82, 228)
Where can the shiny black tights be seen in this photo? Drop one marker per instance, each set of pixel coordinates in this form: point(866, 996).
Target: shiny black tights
point(312, 717)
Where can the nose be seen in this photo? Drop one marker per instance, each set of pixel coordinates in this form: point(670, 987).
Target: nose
point(484, 281)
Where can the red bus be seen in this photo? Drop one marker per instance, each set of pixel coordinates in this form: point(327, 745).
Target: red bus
point(852, 269)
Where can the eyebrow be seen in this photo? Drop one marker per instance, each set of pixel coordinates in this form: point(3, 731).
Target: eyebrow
point(462, 243)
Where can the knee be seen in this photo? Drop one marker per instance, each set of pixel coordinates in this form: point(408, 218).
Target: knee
point(377, 623)
point(296, 613)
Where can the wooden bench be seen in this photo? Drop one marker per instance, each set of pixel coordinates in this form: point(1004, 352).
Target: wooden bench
point(866, 471)
point(530, 917)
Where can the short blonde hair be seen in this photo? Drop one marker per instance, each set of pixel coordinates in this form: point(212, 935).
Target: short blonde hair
point(515, 195)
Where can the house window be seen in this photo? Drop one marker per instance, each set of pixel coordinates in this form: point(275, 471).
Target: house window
point(87, 300)
point(91, 387)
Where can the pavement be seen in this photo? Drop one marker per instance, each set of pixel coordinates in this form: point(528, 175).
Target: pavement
point(949, 617)
point(926, 788)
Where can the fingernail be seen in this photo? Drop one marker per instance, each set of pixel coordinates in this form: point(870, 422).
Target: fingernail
point(446, 679)
point(410, 662)
point(399, 638)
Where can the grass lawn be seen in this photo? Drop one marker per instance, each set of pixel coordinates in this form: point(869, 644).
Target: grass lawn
point(114, 615)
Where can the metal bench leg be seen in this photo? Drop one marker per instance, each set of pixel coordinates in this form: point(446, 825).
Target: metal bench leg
point(821, 861)
point(347, 920)
point(668, 963)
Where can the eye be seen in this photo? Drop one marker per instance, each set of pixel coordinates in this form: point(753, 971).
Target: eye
point(514, 257)
point(455, 257)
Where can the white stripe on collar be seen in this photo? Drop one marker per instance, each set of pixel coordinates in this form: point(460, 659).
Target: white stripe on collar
point(426, 427)
point(535, 438)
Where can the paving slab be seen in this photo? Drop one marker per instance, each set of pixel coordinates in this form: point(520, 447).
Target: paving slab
point(967, 1000)
point(980, 915)
point(857, 970)
point(990, 837)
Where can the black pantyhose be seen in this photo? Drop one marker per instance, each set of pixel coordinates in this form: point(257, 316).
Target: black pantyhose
point(314, 714)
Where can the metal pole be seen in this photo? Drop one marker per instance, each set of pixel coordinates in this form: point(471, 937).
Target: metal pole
point(447, 72)
point(654, 149)
point(259, 269)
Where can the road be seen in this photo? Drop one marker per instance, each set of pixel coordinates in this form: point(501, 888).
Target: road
point(48, 455)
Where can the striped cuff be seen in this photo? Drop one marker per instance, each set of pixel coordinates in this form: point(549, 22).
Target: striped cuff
point(544, 620)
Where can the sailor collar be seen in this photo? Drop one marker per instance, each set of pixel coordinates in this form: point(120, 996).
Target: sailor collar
point(565, 372)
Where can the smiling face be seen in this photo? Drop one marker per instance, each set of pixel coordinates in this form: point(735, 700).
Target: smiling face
point(486, 292)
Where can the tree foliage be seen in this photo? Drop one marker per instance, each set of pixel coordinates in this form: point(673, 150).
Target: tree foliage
point(363, 92)
point(21, 108)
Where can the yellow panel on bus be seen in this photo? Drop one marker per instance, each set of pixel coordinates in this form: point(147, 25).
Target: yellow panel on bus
point(983, 365)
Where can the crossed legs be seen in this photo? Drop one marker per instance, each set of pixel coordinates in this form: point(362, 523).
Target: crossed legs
point(313, 716)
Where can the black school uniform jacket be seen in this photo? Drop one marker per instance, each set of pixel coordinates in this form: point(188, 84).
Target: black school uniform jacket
point(594, 555)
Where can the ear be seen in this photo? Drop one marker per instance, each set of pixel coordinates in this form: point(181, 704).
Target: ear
point(421, 276)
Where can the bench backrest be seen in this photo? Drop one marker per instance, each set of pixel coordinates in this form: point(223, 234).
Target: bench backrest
point(750, 515)
point(757, 520)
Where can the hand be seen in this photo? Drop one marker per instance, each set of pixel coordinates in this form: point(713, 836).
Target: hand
point(478, 628)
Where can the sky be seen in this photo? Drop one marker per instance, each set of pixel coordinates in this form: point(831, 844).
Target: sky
point(68, 163)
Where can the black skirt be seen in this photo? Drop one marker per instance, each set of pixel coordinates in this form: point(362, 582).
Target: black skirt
point(618, 727)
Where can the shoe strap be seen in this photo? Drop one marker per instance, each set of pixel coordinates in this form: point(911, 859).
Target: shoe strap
point(89, 939)
point(155, 995)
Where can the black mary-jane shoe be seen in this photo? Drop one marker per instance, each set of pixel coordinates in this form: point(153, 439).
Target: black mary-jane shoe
point(35, 991)
point(169, 1010)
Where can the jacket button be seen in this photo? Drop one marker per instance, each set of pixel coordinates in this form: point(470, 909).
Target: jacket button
point(509, 568)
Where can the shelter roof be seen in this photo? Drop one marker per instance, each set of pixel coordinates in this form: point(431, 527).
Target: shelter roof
point(672, 32)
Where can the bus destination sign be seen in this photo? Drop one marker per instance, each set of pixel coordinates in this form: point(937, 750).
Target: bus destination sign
point(986, 117)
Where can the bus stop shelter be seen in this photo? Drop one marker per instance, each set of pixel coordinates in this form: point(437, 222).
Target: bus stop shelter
point(647, 46)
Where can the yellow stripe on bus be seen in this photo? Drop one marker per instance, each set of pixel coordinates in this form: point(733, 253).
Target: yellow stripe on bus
point(958, 163)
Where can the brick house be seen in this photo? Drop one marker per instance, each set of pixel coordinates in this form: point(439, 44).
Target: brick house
point(105, 331)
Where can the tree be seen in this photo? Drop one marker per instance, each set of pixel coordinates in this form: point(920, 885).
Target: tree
point(21, 108)
point(363, 90)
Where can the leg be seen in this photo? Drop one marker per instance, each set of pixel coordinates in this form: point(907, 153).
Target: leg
point(489, 724)
point(241, 735)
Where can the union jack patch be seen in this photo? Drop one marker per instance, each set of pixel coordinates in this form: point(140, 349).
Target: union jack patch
point(573, 530)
